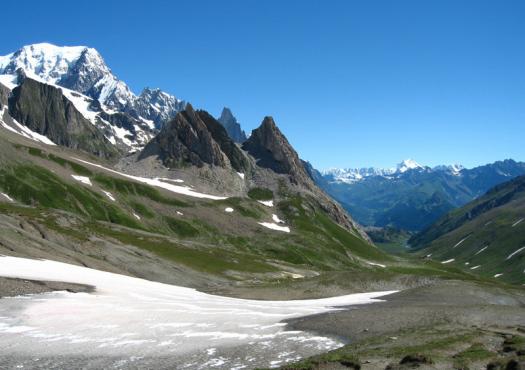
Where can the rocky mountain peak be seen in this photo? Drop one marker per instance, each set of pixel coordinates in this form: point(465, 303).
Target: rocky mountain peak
point(186, 140)
point(227, 114)
point(232, 126)
point(271, 149)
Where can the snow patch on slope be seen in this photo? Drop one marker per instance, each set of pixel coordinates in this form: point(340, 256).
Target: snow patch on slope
point(7, 197)
point(110, 322)
point(274, 226)
point(82, 179)
point(185, 190)
point(9, 81)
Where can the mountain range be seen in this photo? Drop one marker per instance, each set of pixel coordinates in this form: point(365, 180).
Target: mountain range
point(127, 120)
point(412, 196)
point(74, 140)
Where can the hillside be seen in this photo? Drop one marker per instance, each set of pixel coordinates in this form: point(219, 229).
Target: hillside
point(486, 236)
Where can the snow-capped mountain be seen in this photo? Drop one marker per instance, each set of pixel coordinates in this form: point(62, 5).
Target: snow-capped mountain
point(82, 69)
point(412, 196)
point(454, 169)
point(408, 164)
point(352, 175)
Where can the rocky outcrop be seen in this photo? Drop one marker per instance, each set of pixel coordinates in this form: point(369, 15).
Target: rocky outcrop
point(4, 95)
point(272, 150)
point(232, 126)
point(184, 141)
point(237, 157)
point(45, 110)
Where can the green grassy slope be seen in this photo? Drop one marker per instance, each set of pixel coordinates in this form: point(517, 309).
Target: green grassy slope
point(482, 236)
point(197, 233)
point(193, 232)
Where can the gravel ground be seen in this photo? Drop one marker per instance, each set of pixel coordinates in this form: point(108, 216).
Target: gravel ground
point(15, 287)
point(455, 302)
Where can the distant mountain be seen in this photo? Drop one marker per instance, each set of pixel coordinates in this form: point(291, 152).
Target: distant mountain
point(412, 196)
point(83, 70)
point(485, 236)
point(352, 175)
point(228, 120)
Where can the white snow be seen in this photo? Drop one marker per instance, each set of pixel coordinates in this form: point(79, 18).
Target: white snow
point(7, 197)
point(241, 175)
point(514, 253)
point(267, 203)
point(136, 216)
point(185, 190)
point(82, 179)
point(481, 250)
point(498, 275)
point(81, 103)
point(180, 213)
point(128, 316)
point(517, 222)
point(376, 264)
point(461, 241)
point(277, 220)
point(228, 210)
point(169, 180)
point(475, 267)
point(109, 195)
point(408, 164)
point(9, 81)
point(47, 61)
point(353, 175)
point(448, 261)
point(274, 226)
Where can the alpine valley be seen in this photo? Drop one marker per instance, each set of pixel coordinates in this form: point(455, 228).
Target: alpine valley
point(412, 196)
point(141, 232)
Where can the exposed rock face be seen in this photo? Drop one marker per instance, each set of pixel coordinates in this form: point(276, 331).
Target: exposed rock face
point(135, 131)
point(4, 95)
point(228, 120)
point(184, 141)
point(45, 110)
point(236, 156)
point(272, 150)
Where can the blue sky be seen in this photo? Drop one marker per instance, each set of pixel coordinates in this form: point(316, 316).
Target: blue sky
point(350, 83)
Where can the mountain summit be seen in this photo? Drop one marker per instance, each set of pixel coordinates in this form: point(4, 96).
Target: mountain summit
point(82, 69)
point(232, 126)
point(408, 164)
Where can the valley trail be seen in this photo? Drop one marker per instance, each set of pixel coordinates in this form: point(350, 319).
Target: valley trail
point(134, 322)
